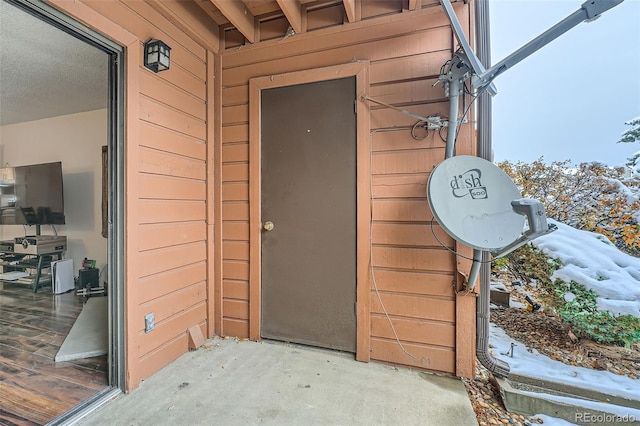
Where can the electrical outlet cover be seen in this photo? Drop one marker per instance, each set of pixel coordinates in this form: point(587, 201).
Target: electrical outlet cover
point(149, 322)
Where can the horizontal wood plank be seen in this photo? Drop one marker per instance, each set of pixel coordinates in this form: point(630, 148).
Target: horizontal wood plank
point(233, 289)
point(379, 7)
point(324, 17)
point(413, 259)
point(171, 304)
point(235, 328)
point(236, 114)
point(235, 133)
point(428, 284)
point(237, 309)
point(164, 259)
point(422, 356)
point(156, 211)
point(419, 65)
point(171, 188)
point(235, 210)
point(408, 234)
point(235, 172)
point(402, 140)
point(235, 153)
point(163, 163)
point(153, 236)
point(405, 186)
point(172, 280)
point(235, 270)
point(163, 139)
point(384, 118)
point(418, 91)
point(233, 250)
point(415, 161)
point(235, 95)
point(412, 330)
point(153, 112)
point(168, 94)
point(234, 191)
point(417, 307)
point(236, 231)
point(402, 210)
point(187, 79)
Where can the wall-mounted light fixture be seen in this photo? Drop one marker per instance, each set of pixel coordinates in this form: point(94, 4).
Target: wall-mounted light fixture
point(156, 55)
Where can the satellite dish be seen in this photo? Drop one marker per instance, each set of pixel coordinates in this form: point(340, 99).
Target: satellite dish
point(471, 199)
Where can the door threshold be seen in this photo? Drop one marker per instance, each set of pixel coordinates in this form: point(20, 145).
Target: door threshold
point(85, 408)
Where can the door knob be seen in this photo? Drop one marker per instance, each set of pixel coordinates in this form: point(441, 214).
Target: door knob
point(268, 226)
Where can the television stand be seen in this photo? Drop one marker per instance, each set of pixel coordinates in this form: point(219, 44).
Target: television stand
point(26, 267)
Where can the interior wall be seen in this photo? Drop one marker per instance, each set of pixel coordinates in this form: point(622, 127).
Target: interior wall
point(76, 140)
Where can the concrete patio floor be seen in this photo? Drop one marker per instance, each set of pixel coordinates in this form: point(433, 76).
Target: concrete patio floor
point(229, 382)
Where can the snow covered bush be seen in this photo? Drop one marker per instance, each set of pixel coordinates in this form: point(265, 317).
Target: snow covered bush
point(597, 310)
point(582, 312)
point(590, 196)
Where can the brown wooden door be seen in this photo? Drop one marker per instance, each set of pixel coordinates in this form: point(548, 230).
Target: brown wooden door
point(309, 194)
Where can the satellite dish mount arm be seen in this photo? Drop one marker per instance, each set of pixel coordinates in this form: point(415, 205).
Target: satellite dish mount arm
point(466, 64)
point(589, 11)
point(536, 221)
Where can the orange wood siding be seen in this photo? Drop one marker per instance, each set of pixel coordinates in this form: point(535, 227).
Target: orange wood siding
point(188, 175)
point(414, 274)
point(168, 201)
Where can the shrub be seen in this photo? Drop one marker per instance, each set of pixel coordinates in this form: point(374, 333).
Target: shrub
point(582, 313)
point(529, 263)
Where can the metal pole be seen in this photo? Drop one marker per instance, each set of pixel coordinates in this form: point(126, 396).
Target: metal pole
point(475, 268)
point(454, 100)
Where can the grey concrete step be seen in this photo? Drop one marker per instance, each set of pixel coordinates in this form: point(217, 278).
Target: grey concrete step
point(529, 395)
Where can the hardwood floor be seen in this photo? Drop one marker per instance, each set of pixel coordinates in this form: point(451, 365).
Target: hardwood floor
point(34, 389)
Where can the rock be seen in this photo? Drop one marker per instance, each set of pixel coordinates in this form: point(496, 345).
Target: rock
point(572, 336)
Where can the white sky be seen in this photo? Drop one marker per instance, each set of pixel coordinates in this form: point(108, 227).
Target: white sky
point(570, 99)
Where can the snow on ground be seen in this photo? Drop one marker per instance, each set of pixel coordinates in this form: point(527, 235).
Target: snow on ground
point(552, 421)
point(534, 364)
point(593, 261)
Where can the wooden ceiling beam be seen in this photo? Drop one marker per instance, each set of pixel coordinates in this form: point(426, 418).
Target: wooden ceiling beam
point(292, 9)
point(188, 17)
point(350, 8)
point(212, 11)
point(239, 15)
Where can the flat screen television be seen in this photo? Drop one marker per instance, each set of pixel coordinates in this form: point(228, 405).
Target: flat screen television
point(32, 195)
